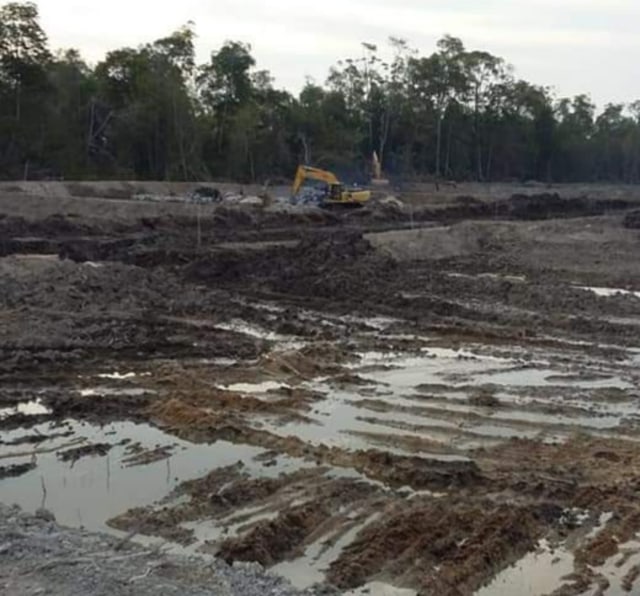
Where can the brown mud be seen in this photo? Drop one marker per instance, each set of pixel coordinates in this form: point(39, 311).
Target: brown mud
point(418, 406)
point(74, 454)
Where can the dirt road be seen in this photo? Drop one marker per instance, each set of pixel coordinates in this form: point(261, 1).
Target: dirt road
point(447, 405)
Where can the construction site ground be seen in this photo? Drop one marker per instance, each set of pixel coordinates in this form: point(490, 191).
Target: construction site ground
point(440, 397)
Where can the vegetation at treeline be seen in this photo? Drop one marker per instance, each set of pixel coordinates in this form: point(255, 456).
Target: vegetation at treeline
point(152, 112)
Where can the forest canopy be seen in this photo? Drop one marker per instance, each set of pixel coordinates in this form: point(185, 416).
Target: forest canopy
point(154, 112)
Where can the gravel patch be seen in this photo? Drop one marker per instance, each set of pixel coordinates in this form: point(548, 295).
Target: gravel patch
point(39, 557)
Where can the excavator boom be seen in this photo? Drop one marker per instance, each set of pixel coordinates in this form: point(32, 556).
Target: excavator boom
point(309, 173)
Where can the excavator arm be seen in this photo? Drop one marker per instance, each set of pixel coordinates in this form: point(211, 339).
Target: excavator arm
point(309, 173)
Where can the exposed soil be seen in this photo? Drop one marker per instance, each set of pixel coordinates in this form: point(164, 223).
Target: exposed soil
point(632, 220)
point(422, 397)
point(464, 542)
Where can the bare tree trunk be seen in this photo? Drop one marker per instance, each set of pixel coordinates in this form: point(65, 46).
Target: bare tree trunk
point(249, 157)
point(92, 115)
point(489, 161)
point(223, 123)
point(371, 141)
point(439, 144)
point(18, 101)
point(179, 138)
point(305, 147)
point(476, 134)
point(447, 163)
point(149, 158)
point(384, 135)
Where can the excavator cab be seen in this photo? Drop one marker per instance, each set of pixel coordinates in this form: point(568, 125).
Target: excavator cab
point(336, 192)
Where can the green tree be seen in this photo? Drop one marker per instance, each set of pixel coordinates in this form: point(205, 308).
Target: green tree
point(485, 74)
point(440, 80)
point(68, 115)
point(154, 112)
point(148, 90)
point(224, 85)
point(24, 89)
point(576, 126)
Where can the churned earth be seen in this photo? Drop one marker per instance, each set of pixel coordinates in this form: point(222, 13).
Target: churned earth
point(446, 403)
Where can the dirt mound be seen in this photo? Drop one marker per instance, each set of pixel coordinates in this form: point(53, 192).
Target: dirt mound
point(177, 413)
point(164, 523)
point(87, 249)
point(417, 472)
point(49, 227)
point(271, 542)
point(438, 548)
point(547, 205)
point(100, 407)
point(337, 266)
point(632, 220)
point(227, 490)
point(298, 525)
point(55, 308)
point(70, 287)
point(53, 233)
point(524, 207)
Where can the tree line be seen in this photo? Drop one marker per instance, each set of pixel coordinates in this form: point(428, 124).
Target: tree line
point(153, 112)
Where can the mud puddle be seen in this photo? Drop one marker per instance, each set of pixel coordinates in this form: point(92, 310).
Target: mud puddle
point(491, 396)
point(89, 475)
point(142, 466)
point(380, 589)
point(256, 388)
point(455, 398)
point(554, 568)
point(622, 572)
point(338, 423)
point(540, 572)
point(312, 566)
point(536, 377)
point(430, 366)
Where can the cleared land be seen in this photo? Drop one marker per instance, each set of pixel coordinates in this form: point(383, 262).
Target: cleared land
point(443, 398)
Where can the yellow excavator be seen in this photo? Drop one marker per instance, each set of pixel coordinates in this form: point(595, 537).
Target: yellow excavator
point(331, 191)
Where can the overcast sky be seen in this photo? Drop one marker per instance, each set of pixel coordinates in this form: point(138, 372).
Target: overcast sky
point(575, 46)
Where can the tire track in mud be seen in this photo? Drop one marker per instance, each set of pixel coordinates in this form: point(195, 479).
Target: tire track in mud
point(444, 525)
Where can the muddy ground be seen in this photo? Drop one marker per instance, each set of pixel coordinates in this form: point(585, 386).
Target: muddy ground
point(445, 401)
point(41, 557)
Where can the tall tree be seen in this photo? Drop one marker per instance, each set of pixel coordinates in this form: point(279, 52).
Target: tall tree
point(24, 57)
point(149, 93)
point(485, 73)
point(153, 112)
point(440, 80)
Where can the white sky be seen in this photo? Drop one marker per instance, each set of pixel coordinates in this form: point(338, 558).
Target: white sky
point(575, 46)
